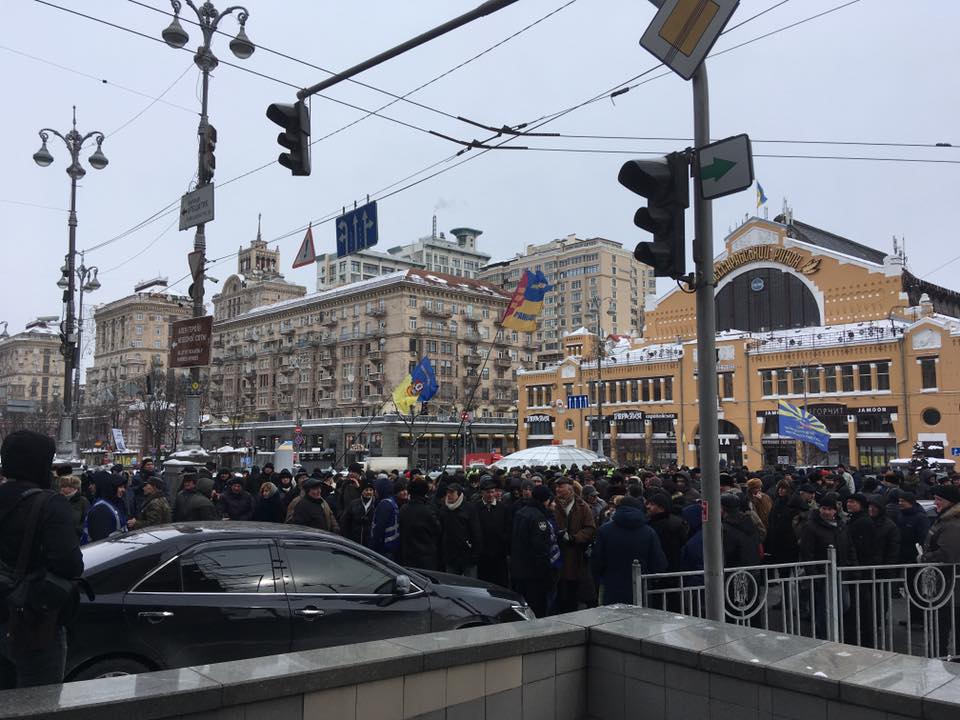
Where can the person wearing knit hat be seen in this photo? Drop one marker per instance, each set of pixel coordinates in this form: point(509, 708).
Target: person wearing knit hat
point(943, 542)
point(535, 554)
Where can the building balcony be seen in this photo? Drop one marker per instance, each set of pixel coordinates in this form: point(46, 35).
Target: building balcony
point(435, 312)
point(375, 377)
point(287, 329)
point(330, 321)
point(503, 362)
point(503, 384)
point(327, 402)
point(375, 355)
point(472, 337)
point(472, 358)
point(377, 332)
point(327, 381)
point(374, 399)
point(377, 311)
point(328, 361)
point(471, 318)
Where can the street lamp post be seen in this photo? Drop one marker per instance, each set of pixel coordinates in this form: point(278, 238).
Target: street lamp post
point(74, 141)
point(88, 283)
point(596, 303)
point(208, 19)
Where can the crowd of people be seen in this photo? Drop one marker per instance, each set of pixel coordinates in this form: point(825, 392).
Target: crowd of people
point(561, 537)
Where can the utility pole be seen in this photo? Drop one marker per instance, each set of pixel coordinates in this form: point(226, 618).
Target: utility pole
point(707, 363)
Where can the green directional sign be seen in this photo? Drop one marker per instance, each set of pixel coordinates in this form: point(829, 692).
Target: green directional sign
point(724, 167)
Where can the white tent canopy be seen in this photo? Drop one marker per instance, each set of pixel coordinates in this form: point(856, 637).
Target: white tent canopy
point(549, 455)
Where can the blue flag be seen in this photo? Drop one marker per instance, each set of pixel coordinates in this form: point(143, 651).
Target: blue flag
point(800, 425)
point(424, 380)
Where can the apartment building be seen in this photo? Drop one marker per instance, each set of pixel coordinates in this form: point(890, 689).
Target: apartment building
point(31, 377)
point(436, 254)
point(327, 363)
point(585, 273)
point(828, 324)
point(333, 271)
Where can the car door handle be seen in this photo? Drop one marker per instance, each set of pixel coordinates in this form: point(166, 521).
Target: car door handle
point(309, 612)
point(155, 615)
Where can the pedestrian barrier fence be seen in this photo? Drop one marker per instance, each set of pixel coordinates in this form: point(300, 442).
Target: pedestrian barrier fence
point(910, 609)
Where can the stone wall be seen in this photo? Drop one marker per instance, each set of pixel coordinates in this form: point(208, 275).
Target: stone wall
point(620, 663)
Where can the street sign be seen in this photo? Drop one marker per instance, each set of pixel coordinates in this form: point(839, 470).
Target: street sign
point(724, 167)
point(466, 416)
point(357, 230)
point(955, 452)
point(195, 261)
point(306, 255)
point(190, 342)
point(683, 32)
point(196, 207)
point(577, 402)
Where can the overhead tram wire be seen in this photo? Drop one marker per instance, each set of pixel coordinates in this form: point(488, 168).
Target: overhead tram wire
point(756, 141)
point(539, 122)
point(152, 102)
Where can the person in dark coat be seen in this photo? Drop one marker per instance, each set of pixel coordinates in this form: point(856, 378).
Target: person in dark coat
point(886, 532)
point(193, 502)
point(741, 542)
point(236, 503)
point(357, 522)
point(781, 541)
point(420, 531)
point(535, 555)
point(108, 514)
point(27, 457)
point(269, 507)
point(462, 541)
point(626, 538)
point(820, 532)
point(860, 530)
point(691, 555)
point(495, 530)
point(349, 488)
point(312, 510)
point(670, 528)
point(285, 487)
point(914, 526)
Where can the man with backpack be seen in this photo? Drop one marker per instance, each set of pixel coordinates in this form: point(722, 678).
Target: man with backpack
point(39, 560)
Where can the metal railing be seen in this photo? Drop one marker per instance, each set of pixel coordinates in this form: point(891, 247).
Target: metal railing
point(910, 609)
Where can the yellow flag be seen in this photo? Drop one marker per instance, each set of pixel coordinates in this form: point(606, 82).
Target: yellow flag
point(404, 395)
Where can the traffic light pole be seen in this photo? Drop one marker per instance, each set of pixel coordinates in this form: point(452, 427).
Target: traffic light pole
point(707, 362)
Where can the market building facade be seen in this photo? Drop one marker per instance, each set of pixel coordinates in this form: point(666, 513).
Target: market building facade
point(803, 315)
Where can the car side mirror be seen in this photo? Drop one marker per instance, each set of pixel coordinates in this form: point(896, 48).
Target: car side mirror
point(402, 585)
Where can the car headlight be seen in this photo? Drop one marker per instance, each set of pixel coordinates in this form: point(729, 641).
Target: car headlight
point(523, 611)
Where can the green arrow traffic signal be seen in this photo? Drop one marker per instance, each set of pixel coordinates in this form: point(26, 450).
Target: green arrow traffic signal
point(717, 169)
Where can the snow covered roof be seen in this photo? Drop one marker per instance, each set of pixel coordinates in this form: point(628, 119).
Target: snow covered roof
point(363, 287)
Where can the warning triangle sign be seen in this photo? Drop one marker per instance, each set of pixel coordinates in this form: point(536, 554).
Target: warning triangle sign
point(306, 255)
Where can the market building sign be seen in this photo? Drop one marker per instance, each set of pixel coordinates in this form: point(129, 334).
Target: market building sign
point(767, 253)
point(625, 415)
point(538, 418)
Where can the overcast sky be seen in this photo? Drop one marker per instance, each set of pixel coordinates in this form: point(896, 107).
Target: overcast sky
point(878, 70)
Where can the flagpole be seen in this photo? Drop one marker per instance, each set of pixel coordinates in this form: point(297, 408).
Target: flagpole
point(473, 392)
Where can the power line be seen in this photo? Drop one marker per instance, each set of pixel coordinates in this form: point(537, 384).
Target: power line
point(755, 141)
point(100, 80)
point(603, 151)
point(153, 102)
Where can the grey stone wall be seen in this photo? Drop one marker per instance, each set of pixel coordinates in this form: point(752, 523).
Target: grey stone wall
point(620, 663)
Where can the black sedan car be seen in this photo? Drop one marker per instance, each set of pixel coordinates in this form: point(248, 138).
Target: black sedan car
point(198, 593)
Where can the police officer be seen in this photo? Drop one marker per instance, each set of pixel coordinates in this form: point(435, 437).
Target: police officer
point(535, 555)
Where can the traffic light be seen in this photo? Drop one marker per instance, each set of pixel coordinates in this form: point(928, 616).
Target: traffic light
point(295, 121)
point(665, 184)
point(208, 162)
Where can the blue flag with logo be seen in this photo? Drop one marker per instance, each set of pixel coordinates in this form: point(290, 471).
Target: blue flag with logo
point(798, 424)
point(424, 380)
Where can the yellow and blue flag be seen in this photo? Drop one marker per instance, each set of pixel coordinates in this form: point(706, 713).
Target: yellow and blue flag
point(418, 386)
point(527, 302)
point(761, 198)
point(798, 424)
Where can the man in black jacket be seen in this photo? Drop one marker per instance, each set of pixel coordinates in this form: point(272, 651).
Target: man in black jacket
point(357, 520)
point(741, 542)
point(236, 503)
point(495, 529)
point(462, 540)
point(193, 501)
point(536, 556)
point(33, 643)
point(420, 531)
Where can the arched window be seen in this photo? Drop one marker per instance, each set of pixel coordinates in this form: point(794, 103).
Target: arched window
point(766, 299)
